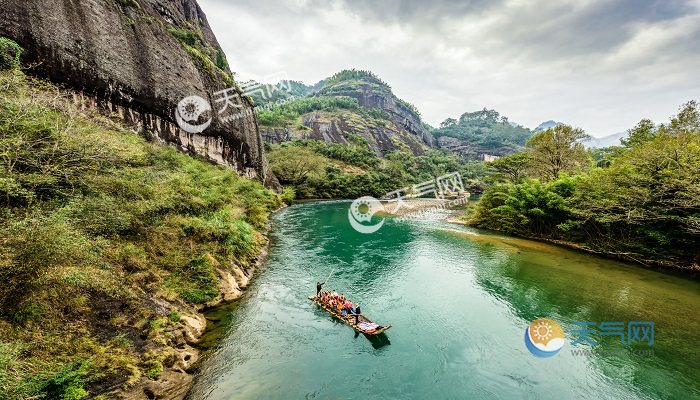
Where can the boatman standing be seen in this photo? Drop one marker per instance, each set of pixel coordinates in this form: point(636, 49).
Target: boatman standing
point(319, 286)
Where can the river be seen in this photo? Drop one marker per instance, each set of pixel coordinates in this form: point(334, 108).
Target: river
point(459, 301)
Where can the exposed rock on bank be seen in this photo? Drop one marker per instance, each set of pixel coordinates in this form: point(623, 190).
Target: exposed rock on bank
point(180, 353)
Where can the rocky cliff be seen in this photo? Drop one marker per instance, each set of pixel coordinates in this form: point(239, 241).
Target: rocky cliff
point(386, 122)
point(399, 112)
point(136, 60)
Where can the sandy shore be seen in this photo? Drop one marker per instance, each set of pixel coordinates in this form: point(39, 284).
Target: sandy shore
point(425, 208)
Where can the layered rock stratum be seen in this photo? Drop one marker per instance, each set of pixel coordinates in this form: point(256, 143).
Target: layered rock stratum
point(136, 60)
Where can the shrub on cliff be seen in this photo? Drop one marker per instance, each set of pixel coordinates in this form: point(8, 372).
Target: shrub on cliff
point(10, 53)
point(211, 60)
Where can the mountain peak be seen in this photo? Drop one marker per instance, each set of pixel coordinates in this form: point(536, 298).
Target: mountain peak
point(355, 75)
point(546, 125)
point(605, 141)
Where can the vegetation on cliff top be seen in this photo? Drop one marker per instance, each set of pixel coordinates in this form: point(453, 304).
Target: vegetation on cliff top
point(486, 129)
point(211, 60)
point(639, 201)
point(353, 80)
point(295, 99)
point(97, 225)
point(290, 113)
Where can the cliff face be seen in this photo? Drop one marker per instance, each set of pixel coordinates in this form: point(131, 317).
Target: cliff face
point(386, 122)
point(136, 60)
point(399, 113)
point(382, 136)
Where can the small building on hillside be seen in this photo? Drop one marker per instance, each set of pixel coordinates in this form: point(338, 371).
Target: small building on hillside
point(488, 157)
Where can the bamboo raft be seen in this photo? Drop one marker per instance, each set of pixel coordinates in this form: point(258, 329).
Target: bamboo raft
point(350, 320)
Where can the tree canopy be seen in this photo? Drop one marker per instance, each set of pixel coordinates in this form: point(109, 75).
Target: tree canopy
point(487, 129)
point(642, 204)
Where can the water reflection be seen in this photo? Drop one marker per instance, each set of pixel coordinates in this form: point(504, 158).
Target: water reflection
point(573, 287)
point(349, 255)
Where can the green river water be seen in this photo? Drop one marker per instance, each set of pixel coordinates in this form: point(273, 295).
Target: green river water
point(459, 301)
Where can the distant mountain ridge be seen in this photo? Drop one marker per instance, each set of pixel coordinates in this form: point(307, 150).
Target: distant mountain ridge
point(546, 125)
point(355, 103)
point(605, 141)
point(358, 103)
point(593, 142)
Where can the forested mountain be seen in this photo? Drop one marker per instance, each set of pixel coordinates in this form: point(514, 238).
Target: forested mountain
point(356, 102)
point(481, 132)
point(353, 136)
point(351, 102)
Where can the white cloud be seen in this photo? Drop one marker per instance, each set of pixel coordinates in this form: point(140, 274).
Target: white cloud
point(598, 64)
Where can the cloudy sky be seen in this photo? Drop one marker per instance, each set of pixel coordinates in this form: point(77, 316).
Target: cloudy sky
point(601, 65)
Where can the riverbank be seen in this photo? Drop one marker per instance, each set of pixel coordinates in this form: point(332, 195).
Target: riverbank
point(420, 208)
point(114, 247)
point(693, 271)
point(176, 379)
point(425, 208)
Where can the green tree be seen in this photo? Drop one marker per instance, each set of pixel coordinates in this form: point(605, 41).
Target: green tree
point(647, 203)
point(530, 208)
point(644, 131)
point(643, 204)
point(603, 156)
point(687, 120)
point(10, 53)
point(512, 168)
point(448, 123)
point(293, 164)
point(558, 149)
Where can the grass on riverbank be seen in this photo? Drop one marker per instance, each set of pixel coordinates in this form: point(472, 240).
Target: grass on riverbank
point(99, 224)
